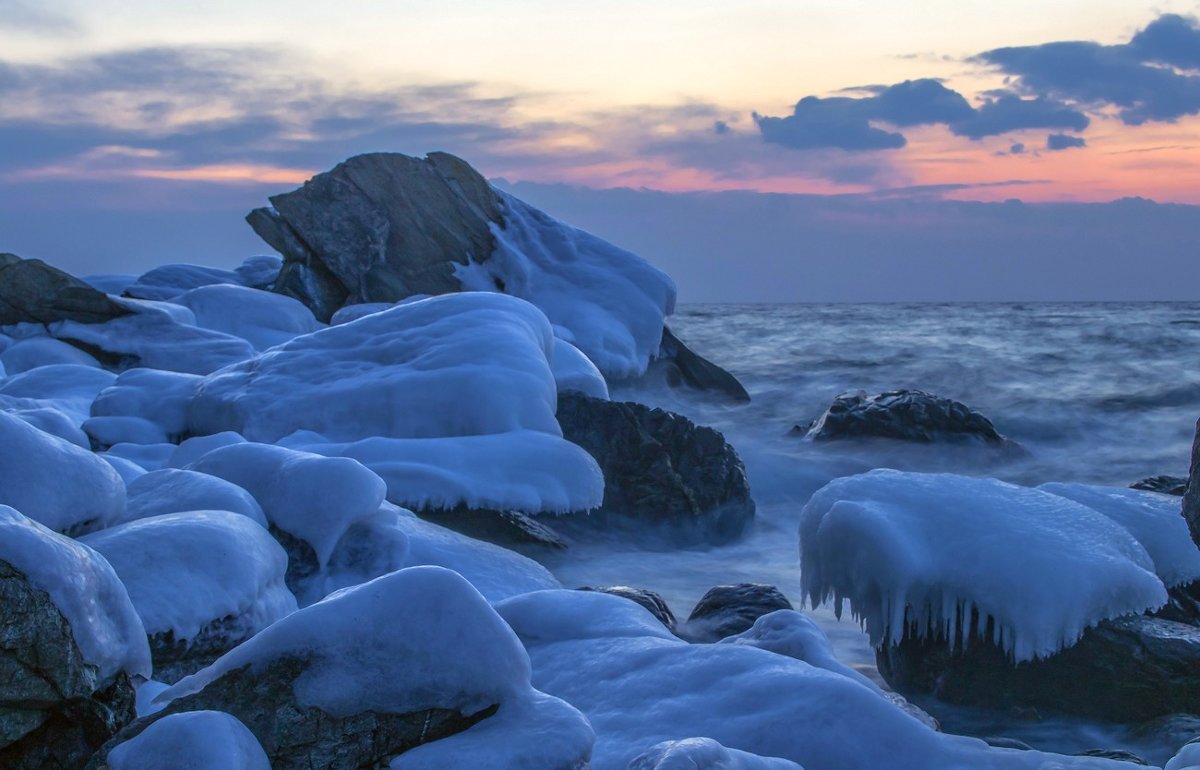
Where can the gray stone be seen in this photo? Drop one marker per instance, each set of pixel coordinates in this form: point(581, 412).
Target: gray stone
point(660, 469)
point(651, 601)
point(34, 292)
point(1191, 498)
point(726, 610)
point(379, 228)
point(1114, 754)
point(295, 737)
point(1167, 485)
point(511, 529)
point(683, 366)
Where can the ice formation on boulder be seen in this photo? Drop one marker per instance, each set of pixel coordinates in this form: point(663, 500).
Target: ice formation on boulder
point(171, 490)
point(195, 740)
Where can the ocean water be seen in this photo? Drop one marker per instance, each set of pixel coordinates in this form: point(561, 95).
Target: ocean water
point(1104, 393)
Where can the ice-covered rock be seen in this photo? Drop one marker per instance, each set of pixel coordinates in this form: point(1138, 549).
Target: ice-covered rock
point(575, 371)
point(153, 395)
point(192, 449)
point(651, 601)
point(149, 457)
point(509, 528)
point(33, 292)
point(704, 754)
point(66, 388)
point(32, 352)
point(201, 581)
point(928, 554)
point(54, 482)
point(166, 282)
point(1168, 485)
point(171, 490)
point(259, 271)
point(104, 432)
point(262, 318)
point(907, 415)
point(726, 610)
point(195, 740)
point(660, 470)
point(110, 283)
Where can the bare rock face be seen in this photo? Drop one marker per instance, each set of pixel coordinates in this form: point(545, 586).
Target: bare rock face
point(379, 228)
point(53, 711)
point(1191, 498)
point(34, 292)
point(726, 610)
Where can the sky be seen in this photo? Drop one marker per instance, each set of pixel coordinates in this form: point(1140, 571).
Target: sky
point(133, 133)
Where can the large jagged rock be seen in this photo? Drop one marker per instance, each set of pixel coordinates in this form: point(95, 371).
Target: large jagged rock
point(906, 415)
point(34, 292)
point(1191, 498)
point(660, 469)
point(379, 228)
point(683, 366)
point(53, 710)
point(1128, 669)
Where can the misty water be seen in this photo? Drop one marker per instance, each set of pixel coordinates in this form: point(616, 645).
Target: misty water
point(1102, 393)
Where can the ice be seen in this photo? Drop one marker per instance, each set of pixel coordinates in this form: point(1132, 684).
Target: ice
point(640, 688)
point(158, 396)
point(574, 371)
point(345, 315)
point(791, 633)
point(522, 470)
point(1153, 519)
point(414, 639)
point(168, 281)
point(84, 588)
point(110, 283)
point(262, 318)
point(107, 431)
point(612, 301)
point(259, 271)
point(1187, 758)
point(48, 419)
point(192, 449)
point(185, 570)
point(33, 352)
point(192, 740)
point(54, 482)
point(149, 457)
point(455, 365)
point(170, 490)
point(695, 753)
point(128, 470)
point(312, 497)
point(560, 615)
point(67, 388)
point(918, 552)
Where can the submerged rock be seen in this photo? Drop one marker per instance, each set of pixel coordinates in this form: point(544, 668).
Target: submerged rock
point(32, 291)
point(905, 415)
point(1167, 485)
point(660, 469)
point(511, 529)
point(726, 610)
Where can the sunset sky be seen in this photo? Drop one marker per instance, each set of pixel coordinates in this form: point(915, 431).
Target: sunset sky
point(138, 105)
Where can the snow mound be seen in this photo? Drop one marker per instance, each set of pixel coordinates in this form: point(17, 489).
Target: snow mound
point(415, 639)
point(790, 633)
point(149, 394)
point(170, 490)
point(55, 482)
point(149, 457)
point(561, 615)
point(168, 281)
point(455, 365)
point(33, 352)
point(308, 496)
point(46, 419)
point(262, 318)
point(523, 470)
point(128, 470)
point(194, 740)
point(697, 753)
point(612, 301)
point(67, 388)
point(259, 271)
point(85, 589)
point(575, 371)
point(185, 570)
point(107, 431)
point(916, 553)
point(1153, 520)
point(192, 449)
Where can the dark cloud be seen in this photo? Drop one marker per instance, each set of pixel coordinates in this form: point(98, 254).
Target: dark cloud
point(919, 102)
point(720, 127)
point(1011, 113)
point(1056, 142)
point(1131, 77)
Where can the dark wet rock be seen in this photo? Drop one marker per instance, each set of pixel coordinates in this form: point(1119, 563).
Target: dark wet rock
point(1114, 754)
point(654, 604)
point(726, 610)
point(53, 711)
point(1169, 730)
point(1128, 669)
point(174, 659)
point(904, 415)
point(1001, 742)
point(511, 529)
point(303, 564)
point(682, 366)
point(34, 292)
point(296, 737)
point(1191, 498)
point(379, 228)
point(660, 469)
point(1183, 604)
point(1167, 485)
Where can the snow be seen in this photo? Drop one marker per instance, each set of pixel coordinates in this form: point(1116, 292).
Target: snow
point(55, 482)
point(917, 552)
point(150, 394)
point(194, 448)
point(67, 388)
point(794, 634)
point(560, 615)
point(48, 419)
point(694, 753)
point(522, 470)
point(106, 431)
point(193, 740)
point(85, 589)
point(262, 318)
point(312, 497)
point(259, 271)
point(171, 490)
point(110, 283)
point(639, 690)
point(185, 570)
point(454, 365)
point(168, 281)
point(1152, 518)
point(33, 352)
point(414, 639)
point(574, 371)
point(612, 301)
point(128, 470)
point(149, 457)
point(348, 313)
point(1187, 758)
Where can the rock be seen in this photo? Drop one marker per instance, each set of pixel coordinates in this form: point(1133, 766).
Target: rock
point(53, 710)
point(683, 366)
point(1191, 498)
point(906, 415)
point(1169, 730)
point(726, 610)
point(511, 529)
point(659, 468)
point(654, 603)
point(1167, 485)
point(379, 228)
point(33, 292)
point(1128, 669)
point(1183, 604)
point(1000, 742)
point(1114, 754)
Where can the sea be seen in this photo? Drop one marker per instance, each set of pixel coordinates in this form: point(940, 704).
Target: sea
point(1100, 393)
